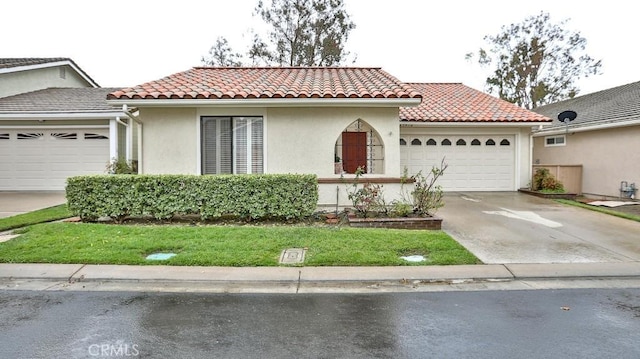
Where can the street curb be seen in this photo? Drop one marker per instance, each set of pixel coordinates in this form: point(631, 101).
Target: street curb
point(319, 275)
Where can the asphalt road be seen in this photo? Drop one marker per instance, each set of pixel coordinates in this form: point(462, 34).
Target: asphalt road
point(602, 323)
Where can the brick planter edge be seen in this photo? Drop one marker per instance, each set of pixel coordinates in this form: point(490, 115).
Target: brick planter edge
point(429, 223)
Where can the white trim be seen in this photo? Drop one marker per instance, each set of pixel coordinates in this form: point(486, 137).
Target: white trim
point(64, 115)
point(51, 64)
point(113, 139)
point(129, 141)
point(517, 165)
point(271, 102)
point(198, 144)
point(139, 124)
point(585, 127)
point(265, 140)
point(44, 127)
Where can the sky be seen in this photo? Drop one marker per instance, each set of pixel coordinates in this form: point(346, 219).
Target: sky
point(122, 43)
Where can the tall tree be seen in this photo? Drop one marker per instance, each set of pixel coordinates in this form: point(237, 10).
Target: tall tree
point(302, 33)
point(536, 62)
point(221, 54)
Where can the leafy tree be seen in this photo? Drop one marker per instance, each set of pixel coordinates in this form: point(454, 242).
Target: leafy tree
point(303, 33)
point(221, 54)
point(536, 62)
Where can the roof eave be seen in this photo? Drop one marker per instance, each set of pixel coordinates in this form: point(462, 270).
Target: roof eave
point(555, 130)
point(89, 115)
point(270, 102)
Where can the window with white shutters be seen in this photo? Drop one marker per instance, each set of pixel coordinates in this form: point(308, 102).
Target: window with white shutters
point(232, 145)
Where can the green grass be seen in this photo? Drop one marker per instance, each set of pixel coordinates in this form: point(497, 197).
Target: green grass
point(228, 245)
point(35, 217)
point(600, 209)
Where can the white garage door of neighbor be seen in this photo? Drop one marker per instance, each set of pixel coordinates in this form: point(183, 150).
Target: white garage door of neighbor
point(39, 159)
point(476, 163)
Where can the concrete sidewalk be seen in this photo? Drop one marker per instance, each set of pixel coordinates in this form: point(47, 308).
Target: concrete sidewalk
point(309, 279)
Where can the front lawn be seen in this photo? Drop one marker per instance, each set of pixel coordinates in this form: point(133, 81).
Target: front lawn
point(249, 245)
point(39, 216)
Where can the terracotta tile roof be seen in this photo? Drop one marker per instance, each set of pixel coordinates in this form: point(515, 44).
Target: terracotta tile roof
point(455, 102)
point(272, 82)
point(58, 100)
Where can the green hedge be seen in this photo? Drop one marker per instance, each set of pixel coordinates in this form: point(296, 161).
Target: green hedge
point(286, 196)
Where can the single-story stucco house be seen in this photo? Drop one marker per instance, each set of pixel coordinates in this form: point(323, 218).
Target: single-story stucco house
point(604, 139)
point(329, 121)
point(54, 123)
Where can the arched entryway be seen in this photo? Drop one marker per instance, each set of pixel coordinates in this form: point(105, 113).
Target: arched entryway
point(359, 146)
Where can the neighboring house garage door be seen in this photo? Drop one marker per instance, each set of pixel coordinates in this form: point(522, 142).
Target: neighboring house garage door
point(38, 159)
point(476, 163)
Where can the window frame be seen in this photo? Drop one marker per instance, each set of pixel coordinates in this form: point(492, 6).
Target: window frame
point(555, 141)
point(243, 126)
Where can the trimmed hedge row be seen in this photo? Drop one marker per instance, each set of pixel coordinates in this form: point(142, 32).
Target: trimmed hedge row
point(286, 196)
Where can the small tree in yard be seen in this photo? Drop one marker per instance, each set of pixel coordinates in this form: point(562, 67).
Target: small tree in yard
point(366, 199)
point(426, 196)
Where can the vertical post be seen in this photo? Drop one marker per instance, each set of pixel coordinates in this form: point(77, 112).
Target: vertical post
point(139, 147)
point(113, 138)
point(129, 140)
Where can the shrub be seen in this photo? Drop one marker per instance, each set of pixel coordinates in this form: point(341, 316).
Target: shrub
point(119, 166)
point(544, 181)
point(426, 196)
point(366, 199)
point(165, 196)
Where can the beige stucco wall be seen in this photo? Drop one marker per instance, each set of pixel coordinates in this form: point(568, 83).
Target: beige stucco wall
point(169, 140)
point(302, 140)
point(608, 156)
point(297, 140)
point(25, 81)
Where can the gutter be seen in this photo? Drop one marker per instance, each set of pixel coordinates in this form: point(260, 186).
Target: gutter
point(63, 115)
point(470, 124)
point(586, 127)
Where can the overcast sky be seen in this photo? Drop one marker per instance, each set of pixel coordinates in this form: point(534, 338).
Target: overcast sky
point(122, 43)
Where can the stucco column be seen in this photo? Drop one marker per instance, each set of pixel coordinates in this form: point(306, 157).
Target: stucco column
point(129, 140)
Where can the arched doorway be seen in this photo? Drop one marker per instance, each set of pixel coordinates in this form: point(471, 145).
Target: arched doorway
point(360, 146)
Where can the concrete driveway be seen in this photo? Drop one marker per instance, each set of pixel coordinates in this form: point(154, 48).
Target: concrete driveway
point(512, 227)
point(12, 203)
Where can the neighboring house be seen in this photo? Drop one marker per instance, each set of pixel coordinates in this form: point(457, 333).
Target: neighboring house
point(604, 139)
point(303, 120)
point(20, 75)
point(55, 123)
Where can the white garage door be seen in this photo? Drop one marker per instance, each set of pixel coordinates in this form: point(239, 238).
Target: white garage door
point(476, 163)
point(38, 159)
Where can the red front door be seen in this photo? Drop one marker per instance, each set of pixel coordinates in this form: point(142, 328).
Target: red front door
point(354, 151)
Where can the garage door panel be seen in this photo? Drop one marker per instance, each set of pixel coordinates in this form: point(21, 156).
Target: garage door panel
point(479, 167)
point(39, 159)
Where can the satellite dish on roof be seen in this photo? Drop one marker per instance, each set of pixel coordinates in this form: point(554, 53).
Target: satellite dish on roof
point(567, 116)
